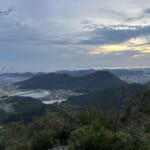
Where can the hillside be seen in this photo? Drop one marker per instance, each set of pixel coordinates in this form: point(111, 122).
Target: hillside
point(93, 129)
point(107, 98)
point(148, 83)
point(140, 75)
point(77, 73)
point(97, 80)
point(22, 109)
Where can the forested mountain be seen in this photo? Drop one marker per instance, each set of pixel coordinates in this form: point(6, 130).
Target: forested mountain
point(107, 98)
point(117, 72)
point(26, 108)
point(77, 73)
point(148, 84)
point(140, 75)
point(97, 80)
point(22, 109)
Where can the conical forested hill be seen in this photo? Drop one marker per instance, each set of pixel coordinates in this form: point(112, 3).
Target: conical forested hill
point(97, 80)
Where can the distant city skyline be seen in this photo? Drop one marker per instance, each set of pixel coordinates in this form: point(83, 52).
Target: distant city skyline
point(51, 35)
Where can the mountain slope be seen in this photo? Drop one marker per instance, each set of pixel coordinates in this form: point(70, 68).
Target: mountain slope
point(107, 98)
point(97, 80)
point(77, 73)
point(148, 83)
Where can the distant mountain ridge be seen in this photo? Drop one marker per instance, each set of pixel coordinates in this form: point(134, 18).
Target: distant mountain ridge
point(97, 80)
point(26, 74)
point(128, 75)
point(77, 73)
point(117, 72)
point(7, 79)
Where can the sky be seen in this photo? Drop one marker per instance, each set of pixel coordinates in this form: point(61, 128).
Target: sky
point(50, 35)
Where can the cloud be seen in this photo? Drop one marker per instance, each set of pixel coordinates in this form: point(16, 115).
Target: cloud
point(136, 18)
point(115, 34)
point(85, 22)
point(147, 11)
point(139, 45)
point(15, 33)
point(54, 33)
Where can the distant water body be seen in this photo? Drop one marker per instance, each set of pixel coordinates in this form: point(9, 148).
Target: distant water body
point(33, 94)
point(38, 95)
point(53, 101)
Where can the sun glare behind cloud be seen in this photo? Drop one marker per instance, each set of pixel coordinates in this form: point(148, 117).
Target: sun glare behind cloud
point(140, 45)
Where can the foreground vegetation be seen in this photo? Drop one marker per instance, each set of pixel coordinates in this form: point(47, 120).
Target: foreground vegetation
point(127, 128)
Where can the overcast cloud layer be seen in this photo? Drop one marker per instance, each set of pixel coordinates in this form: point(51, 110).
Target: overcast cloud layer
point(53, 35)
